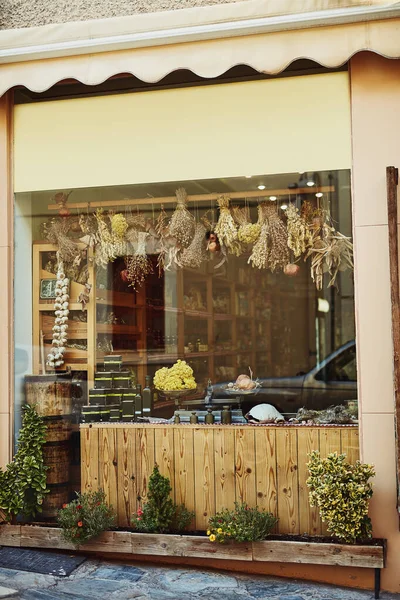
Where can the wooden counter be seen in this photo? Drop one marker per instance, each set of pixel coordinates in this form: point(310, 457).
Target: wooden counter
point(211, 466)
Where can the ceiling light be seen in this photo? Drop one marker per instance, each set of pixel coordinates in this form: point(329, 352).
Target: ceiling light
point(311, 183)
point(248, 176)
point(261, 187)
point(273, 198)
point(319, 195)
point(284, 207)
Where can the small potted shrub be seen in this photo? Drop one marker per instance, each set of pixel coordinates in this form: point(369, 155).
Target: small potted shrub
point(85, 517)
point(342, 492)
point(160, 514)
point(242, 524)
point(23, 482)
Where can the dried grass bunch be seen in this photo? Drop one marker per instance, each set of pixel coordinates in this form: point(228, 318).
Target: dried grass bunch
point(226, 228)
point(278, 239)
point(104, 241)
point(119, 228)
point(330, 250)
point(195, 254)
point(138, 266)
point(182, 223)
point(248, 232)
point(260, 253)
point(56, 231)
point(299, 234)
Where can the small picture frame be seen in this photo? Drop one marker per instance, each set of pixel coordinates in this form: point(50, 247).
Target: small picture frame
point(47, 289)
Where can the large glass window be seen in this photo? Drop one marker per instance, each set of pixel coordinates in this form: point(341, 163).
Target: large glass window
point(250, 276)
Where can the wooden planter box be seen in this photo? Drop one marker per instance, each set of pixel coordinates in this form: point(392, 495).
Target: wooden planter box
point(283, 551)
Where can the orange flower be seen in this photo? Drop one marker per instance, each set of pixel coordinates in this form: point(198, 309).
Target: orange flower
point(65, 505)
point(80, 524)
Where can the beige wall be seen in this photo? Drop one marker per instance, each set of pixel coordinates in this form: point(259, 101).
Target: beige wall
point(375, 89)
point(7, 277)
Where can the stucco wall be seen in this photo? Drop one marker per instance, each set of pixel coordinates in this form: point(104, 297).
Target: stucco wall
point(375, 94)
point(25, 13)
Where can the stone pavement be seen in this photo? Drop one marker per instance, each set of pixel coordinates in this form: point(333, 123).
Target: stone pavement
point(98, 580)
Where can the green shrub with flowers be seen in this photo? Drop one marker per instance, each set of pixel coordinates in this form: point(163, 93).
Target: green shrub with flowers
point(86, 517)
point(160, 514)
point(242, 524)
point(342, 492)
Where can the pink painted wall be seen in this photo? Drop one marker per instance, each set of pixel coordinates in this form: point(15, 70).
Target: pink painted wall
point(375, 104)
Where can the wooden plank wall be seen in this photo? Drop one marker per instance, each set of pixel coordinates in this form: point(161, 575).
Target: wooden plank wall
point(212, 467)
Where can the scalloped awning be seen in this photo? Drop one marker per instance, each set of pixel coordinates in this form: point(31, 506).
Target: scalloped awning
point(263, 34)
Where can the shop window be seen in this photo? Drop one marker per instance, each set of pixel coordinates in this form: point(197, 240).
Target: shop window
point(139, 296)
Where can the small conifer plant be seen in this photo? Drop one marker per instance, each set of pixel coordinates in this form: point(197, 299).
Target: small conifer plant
point(160, 514)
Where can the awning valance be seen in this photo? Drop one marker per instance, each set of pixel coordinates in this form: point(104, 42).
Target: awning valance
point(207, 41)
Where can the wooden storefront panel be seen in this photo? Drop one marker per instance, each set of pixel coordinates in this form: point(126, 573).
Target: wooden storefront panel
point(212, 467)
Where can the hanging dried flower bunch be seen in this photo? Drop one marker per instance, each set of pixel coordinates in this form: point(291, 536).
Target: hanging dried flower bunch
point(119, 227)
point(226, 229)
point(88, 226)
point(137, 221)
point(260, 253)
point(104, 242)
point(56, 356)
point(195, 254)
point(331, 251)
point(299, 234)
point(248, 232)
point(278, 239)
point(164, 240)
point(182, 223)
point(139, 265)
point(57, 233)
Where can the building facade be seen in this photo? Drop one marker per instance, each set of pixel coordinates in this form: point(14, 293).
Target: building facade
point(223, 99)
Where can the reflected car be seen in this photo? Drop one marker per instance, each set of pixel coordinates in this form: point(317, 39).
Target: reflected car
point(333, 381)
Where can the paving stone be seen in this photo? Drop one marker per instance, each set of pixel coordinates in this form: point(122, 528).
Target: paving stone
point(197, 581)
point(95, 589)
point(51, 594)
point(6, 592)
point(267, 590)
point(118, 573)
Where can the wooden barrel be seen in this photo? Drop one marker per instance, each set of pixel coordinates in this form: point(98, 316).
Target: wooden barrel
point(54, 500)
point(52, 394)
point(56, 457)
point(58, 430)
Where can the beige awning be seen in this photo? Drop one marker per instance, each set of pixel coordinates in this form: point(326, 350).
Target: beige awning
point(264, 34)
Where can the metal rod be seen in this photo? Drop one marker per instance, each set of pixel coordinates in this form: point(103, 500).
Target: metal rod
point(194, 198)
point(377, 583)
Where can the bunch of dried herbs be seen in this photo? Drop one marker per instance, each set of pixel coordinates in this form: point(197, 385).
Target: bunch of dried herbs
point(138, 265)
point(119, 228)
point(299, 234)
point(248, 232)
point(105, 250)
point(57, 232)
point(226, 228)
point(195, 254)
point(330, 251)
point(182, 223)
point(260, 253)
point(278, 239)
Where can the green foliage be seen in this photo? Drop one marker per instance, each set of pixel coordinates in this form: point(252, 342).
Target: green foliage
point(85, 517)
point(342, 492)
point(243, 524)
point(23, 483)
point(159, 513)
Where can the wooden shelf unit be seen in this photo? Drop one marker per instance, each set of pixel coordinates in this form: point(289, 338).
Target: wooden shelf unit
point(233, 322)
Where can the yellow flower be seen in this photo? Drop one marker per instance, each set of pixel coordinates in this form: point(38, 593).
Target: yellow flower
point(219, 530)
point(208, 532)
point(212, 538)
